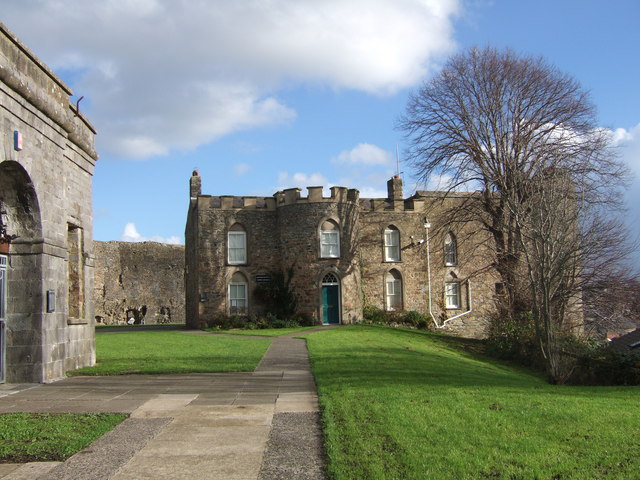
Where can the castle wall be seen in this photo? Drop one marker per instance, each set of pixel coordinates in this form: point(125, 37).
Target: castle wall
point(143, 281)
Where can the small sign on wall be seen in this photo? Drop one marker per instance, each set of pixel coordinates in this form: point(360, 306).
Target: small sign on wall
point(17, 140)
point(263, 278)
point(51, 301)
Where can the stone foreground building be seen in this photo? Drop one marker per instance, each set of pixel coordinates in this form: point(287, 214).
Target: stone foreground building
point(47, 161)
point(341, 254)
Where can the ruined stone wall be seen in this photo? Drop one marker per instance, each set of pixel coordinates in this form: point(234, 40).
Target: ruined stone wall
point(143, 281)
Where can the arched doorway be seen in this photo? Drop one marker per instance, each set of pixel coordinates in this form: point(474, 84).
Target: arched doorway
point(21, 278)
point(330, 299)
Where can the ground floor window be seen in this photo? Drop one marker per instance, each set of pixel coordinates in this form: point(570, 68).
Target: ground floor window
point(238, 301)
point(393, 290)
point(452, 295)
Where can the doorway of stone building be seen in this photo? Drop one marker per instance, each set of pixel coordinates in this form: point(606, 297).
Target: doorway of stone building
point(330, 299)
point(3, 315)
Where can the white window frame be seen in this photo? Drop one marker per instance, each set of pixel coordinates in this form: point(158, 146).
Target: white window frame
point(234, 299)
point(452, 298)
point(392, 245)
point(450, 250)
point(393, 291)
point(240, 256)
point(330, 243)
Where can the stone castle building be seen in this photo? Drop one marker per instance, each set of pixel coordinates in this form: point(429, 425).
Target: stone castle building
point(340, 253)
point(47, 160)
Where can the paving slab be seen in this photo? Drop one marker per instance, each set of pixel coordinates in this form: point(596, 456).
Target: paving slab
point(196, 426)
point(27, 471)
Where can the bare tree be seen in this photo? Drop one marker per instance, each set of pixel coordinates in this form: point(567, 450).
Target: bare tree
point(525, 136)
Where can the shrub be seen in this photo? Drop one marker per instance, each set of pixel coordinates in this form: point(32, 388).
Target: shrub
point(416, 320)
point(412, 319)
point(373, 314)
point(603, 365)
point(514, 340)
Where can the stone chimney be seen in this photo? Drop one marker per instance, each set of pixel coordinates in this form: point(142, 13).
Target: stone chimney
point(394, 188)
point(195, 185)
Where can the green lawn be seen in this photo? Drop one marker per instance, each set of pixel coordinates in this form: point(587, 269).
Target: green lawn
point(265, 332)
point(26, 437)
point(160, 352)
point(406, 405)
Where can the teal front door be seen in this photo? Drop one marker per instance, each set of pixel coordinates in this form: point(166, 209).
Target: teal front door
point(330, 304)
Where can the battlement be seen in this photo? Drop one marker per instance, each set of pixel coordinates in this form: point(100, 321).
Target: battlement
point(293, 196)
point(289, 196)
point(384, 204)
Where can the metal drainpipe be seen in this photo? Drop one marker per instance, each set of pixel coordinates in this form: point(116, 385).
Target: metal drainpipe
point(463, 313)
point(427, 226)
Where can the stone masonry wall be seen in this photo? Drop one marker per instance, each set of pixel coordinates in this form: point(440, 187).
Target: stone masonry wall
point(45, 200)
point(143, 281)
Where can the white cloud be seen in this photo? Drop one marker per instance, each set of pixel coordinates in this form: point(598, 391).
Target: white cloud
point(301, 180)
point(241, 169)
point(131, 234)
point(159, 75)
point(628, 143)
point(364, 154)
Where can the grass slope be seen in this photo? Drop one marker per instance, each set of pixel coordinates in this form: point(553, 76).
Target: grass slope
point(30, 437)
point(159, 352)
point(406, 405)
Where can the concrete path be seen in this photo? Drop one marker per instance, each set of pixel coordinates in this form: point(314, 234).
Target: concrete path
point(252, 426)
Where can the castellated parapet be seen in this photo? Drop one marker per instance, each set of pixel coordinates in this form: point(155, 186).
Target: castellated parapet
point(340, 253)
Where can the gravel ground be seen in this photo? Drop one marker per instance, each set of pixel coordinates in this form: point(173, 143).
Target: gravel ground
point(295, 448)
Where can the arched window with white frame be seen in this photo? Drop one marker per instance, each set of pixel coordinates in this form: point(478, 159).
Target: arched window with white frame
point(450, 250)
point(393, 290)
point(237, 245)
point(391, 244)
point(329, 239)
point(238, 295)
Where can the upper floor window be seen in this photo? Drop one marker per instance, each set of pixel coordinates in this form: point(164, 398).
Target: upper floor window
point(391, 244)
point(237, 245)
point(238, 301)
point(329, 239)
point(450, 250)
point(393, 290)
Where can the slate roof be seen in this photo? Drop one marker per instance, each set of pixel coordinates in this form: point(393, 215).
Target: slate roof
point(630, 341)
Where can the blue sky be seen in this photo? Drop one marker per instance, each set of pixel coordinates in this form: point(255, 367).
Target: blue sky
point(263, 95)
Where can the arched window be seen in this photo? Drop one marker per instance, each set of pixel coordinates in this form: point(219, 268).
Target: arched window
point(391, 244)
point(450, 250)
point(393, 290)
point(237, 245)
point(238, 301)
point(329, 239)
point(330, 279)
